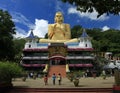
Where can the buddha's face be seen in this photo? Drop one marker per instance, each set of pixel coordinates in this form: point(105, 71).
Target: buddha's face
point(58, 17)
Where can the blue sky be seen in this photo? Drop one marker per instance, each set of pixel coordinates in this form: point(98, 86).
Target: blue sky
point(37, 14)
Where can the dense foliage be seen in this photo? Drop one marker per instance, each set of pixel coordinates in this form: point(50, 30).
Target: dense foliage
point(103, 41)
point(7, 28)
point(101, 6)
point(18, 47)
point(9, 70)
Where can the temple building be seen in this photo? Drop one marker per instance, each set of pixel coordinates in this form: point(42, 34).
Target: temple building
point(58, 57)
point(59, 53)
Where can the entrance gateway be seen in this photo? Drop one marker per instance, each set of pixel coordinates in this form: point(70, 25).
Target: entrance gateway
point(57, 53)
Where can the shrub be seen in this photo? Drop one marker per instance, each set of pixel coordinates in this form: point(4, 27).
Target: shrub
point(9, 70)
point(74, 77)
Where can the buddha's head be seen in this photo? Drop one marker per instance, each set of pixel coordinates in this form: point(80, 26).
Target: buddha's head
point(59, 17)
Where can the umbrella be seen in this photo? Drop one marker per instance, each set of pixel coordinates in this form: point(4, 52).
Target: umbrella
point(109, 66)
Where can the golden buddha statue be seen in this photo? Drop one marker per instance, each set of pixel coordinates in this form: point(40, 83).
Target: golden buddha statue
point(59, 32)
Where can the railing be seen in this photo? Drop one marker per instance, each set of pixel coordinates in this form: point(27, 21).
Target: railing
point(80, 57)
point(80, 65)
point(35, 57)
point(46, 68)
point(33, 65)
point(67, 68)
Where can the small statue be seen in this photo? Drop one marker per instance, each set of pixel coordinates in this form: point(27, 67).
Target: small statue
point(59, 32)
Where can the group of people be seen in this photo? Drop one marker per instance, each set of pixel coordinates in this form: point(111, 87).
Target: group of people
point(54, 77)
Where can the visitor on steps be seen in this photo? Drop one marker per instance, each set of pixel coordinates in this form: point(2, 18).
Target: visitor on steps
point(59, 78)
point(54, 78)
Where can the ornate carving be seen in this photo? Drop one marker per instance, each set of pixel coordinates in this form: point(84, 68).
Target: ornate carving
point(57, 50)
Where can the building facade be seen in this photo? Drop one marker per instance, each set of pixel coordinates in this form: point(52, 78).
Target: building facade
point(44, 56)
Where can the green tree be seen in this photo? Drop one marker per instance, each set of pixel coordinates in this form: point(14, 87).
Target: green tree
point(101, 41)
point(101, 6)
point(7, 28)
point(76, 31)
point(95, 33)
point(18, 47)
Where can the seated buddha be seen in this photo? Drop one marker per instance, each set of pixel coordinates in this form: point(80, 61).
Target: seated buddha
point(59, 32)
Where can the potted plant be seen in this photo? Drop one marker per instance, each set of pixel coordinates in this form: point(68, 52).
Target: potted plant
point(70, 76)
point(76, 82)
point(116, 87)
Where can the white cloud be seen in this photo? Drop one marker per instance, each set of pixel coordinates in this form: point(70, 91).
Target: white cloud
point(20, 33)
point(105, 28)
point(92, 16)
point(41, 27)
point(19, 18)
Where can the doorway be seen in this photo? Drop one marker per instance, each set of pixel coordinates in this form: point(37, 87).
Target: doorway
point(57, 62)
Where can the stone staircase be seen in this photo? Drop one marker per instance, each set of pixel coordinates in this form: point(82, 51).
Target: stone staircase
point(60, 90)
point(57, 69)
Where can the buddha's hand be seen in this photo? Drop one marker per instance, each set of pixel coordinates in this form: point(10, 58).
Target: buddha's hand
point(51, 34)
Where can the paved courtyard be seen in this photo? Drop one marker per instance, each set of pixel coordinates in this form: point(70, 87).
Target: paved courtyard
point(89, 82)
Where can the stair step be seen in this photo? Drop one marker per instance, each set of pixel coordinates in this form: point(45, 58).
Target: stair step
point(57, 69)
point(65, 90)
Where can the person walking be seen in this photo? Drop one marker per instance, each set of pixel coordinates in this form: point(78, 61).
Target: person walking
point(59, 78)
point(53, 78)
point(45, 79)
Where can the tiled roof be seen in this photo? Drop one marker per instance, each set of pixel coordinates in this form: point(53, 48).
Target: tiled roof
point(31, 35)
point(84, 34)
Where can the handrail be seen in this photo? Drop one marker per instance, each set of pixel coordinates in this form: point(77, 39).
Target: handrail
point(67, 68)
point(46, 68)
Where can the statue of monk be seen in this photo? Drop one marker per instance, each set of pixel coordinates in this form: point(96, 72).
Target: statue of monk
point(59, 32)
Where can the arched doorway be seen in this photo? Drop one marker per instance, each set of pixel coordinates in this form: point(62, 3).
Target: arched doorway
point(57, 60)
